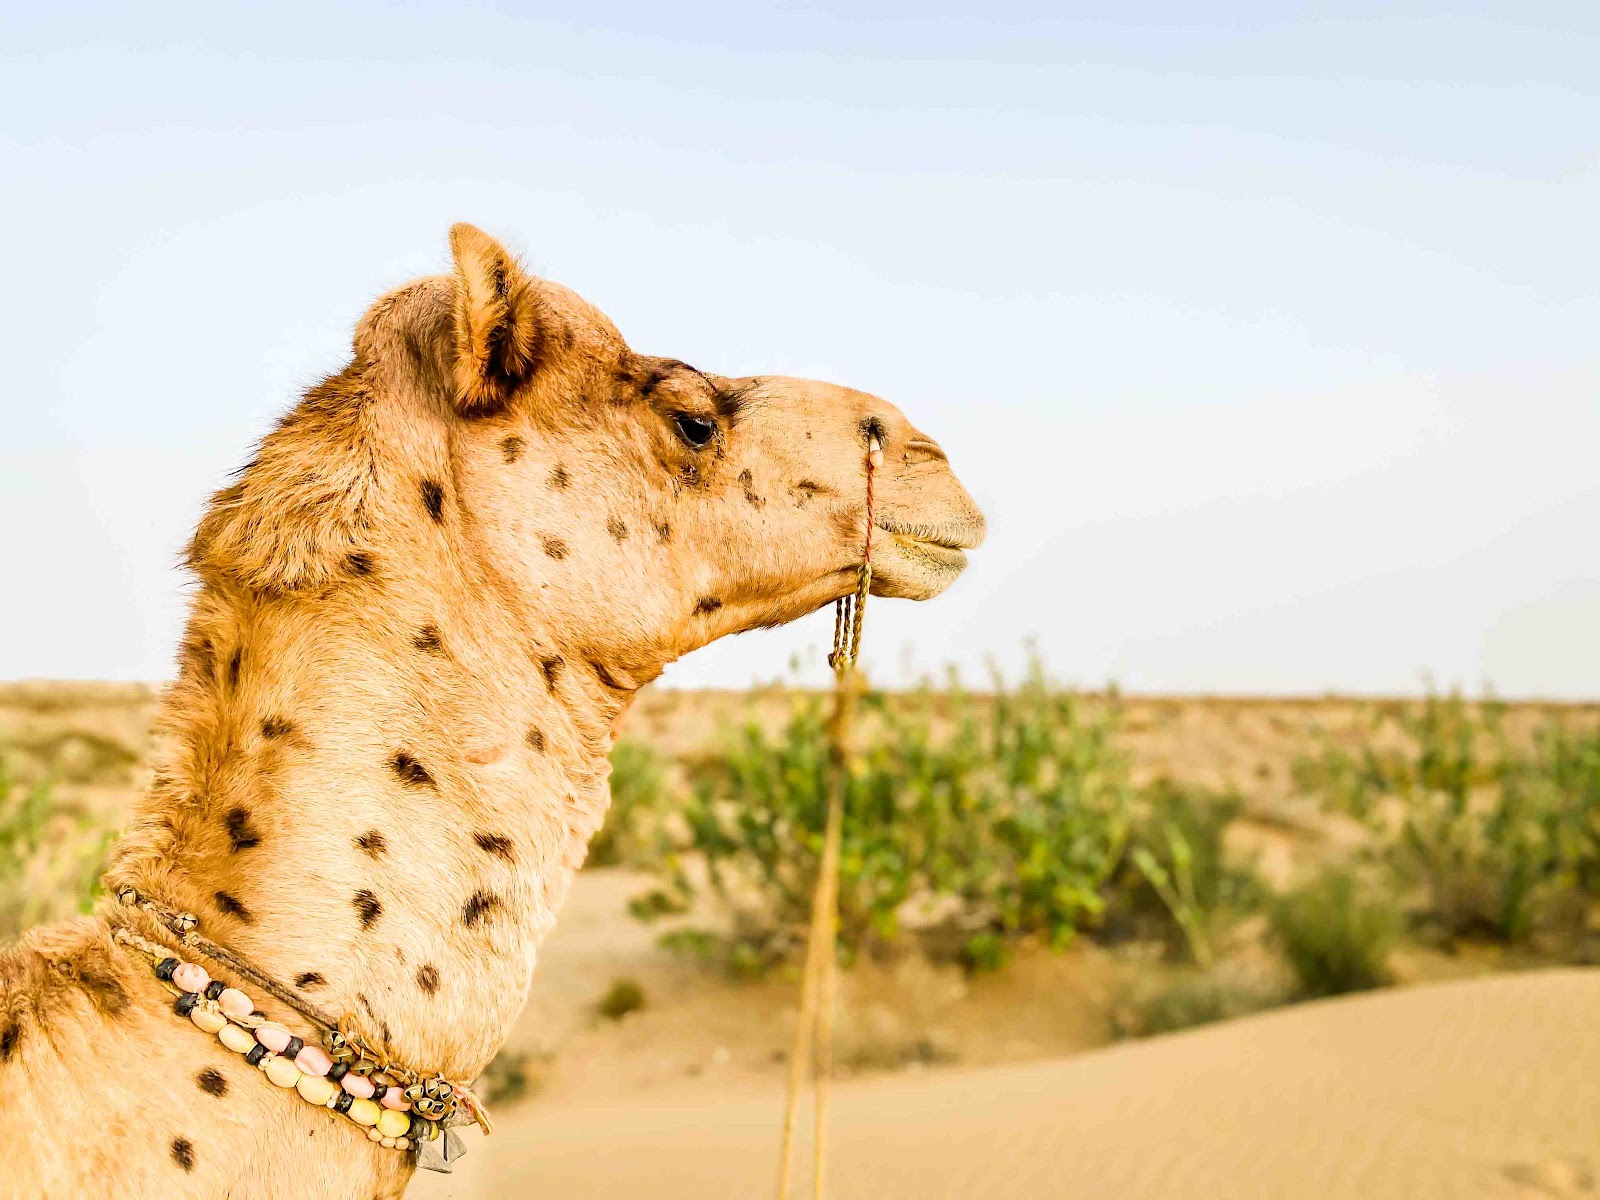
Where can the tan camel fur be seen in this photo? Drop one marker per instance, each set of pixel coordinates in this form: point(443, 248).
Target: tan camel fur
point(422, 608)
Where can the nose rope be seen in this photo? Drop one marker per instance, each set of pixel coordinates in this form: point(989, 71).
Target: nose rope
point(813, 1039)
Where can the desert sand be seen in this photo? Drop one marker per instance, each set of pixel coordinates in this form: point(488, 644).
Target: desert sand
point(1476, 1088)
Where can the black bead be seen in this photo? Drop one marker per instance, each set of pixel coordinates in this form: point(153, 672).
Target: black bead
point(294, 1047)
point(165, 968)
point(184, 1005)
point(338, 1071)
point(214, 989)
point(343, 1103)
point(378, 1089)
point(255, 1054)
point(258, 1014)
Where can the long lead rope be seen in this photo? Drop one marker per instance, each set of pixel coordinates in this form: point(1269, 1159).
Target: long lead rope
point(813, 1039)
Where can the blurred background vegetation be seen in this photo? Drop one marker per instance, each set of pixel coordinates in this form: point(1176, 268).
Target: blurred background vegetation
point(1236, 854)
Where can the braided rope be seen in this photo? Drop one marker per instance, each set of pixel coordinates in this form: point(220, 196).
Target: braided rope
point(813, 1040)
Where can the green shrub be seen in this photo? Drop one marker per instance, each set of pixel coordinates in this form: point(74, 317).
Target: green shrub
point(621, 998)
point(969, 823)
point(1191, 999)
point(1332, 936)
point(513, 1075)
point(51, 856)
point(632, 834)
point(1178, 880)
point(1491, 835)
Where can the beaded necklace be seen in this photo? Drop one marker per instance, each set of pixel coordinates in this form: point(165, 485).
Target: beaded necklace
point(399, 1108)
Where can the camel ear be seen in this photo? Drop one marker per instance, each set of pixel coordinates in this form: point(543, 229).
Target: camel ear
point(497, 334)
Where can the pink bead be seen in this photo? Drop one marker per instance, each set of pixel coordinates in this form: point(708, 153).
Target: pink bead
point(313, 1060)
point(190, 977)
point(396, 1099)
point(273, 1037)
point(358, 1085)
point(235, 1003)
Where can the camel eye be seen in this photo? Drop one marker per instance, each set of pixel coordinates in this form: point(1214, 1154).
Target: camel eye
point(697, 431)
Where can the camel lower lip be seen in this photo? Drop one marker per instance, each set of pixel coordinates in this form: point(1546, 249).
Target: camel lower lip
point(933, 554)
point(924, 535)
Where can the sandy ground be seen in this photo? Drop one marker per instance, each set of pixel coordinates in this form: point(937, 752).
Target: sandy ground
point(1480, 1088)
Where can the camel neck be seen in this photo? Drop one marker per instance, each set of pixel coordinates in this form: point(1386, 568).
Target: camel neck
point(379, 799)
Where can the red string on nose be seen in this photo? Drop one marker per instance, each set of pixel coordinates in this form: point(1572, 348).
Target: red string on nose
point(874, 461)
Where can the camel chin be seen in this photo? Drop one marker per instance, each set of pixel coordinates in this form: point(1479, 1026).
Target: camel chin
point(919, 560)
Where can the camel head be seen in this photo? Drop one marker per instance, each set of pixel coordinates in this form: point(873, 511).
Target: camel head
point(631, 507)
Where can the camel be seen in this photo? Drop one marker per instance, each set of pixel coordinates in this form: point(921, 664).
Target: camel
point(422, 609)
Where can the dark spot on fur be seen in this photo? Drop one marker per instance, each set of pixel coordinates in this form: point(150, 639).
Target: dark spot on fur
point(183, 1153)
point(309, 979)
point(559, 477)
point(479, 905)
point(94, 975)
point(241, 833)
point(495, 843)
point(554, 547)
point(707, 604)
point(511, 448)
point(211, 1082)
point(747, 482)
point(410, 770)
point(807, 490)
point(367, 907)
point(604, 675)
point(10, 1038)
point(198, 656)
point(536, 739)
point(652, 382)
point(276, 727)
point(552, 671)
point(230, 906)
point(663, 532)
point(427, 639)
point(617, 529)
point(433, 499)
point(373, 843)
point(235, 664)
point(360, 563)
point(428, 979)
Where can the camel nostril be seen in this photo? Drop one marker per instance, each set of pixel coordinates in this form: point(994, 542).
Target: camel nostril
point(925, 449)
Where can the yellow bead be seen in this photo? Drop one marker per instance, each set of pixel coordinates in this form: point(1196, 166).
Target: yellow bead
point(235, 1038)
point(281, 1071)
point(402, 1144)
point(316, 1088)
point(364, 1112)
point(374, 1136)
point(208, 1019)
point(392, 1123)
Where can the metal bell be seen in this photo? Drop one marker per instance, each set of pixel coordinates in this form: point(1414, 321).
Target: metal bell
point(440, 1153)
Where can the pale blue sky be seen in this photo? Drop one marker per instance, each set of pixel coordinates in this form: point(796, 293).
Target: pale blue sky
point(1266, 337)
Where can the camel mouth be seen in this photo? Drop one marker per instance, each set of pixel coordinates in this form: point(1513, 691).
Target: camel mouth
point(918, 560)
point(931, 536)
point(939, 557)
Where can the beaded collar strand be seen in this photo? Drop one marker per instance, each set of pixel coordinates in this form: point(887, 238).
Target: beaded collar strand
point(399, 1108)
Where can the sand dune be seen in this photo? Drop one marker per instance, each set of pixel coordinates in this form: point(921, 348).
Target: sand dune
point(1485, 1088)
